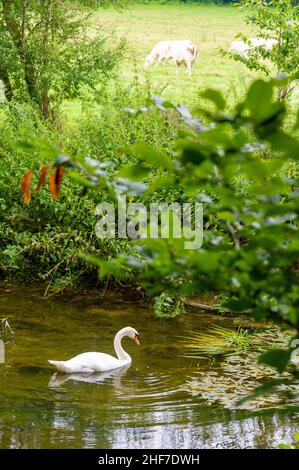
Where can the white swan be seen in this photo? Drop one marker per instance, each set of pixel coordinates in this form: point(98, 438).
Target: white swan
point(88, 363)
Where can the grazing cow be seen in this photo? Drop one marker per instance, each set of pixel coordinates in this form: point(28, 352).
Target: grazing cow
point(270, 43)
point(239, 47)
point(182, 52)
point(242, 47)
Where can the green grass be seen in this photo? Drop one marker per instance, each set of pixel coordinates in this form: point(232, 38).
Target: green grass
point(211, 27)
point(217, 340)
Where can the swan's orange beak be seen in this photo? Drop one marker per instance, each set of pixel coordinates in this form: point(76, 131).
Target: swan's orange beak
point(137, 340)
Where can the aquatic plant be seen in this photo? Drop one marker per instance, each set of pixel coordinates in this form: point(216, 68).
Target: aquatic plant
point(217, 340)
point(237, 377)
point(234, 377)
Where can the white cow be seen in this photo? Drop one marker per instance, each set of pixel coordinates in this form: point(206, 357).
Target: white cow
point(270, 43)
point(242, 47)
point(239, 47)
point(182, 52)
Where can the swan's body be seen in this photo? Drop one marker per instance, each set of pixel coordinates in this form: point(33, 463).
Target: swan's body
point(90, 362)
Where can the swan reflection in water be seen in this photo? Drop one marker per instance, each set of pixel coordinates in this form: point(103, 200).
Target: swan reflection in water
point(58, 379)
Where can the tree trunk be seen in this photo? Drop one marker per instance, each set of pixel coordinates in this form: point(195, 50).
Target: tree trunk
point(7, 85)
point(45, 104)
point(15, 31)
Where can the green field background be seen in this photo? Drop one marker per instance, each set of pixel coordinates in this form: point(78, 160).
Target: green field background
point(211, 27)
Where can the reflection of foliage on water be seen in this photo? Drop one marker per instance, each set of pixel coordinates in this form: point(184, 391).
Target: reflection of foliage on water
point(5, 328)
point(238, 374)
point(294, 445)
point(166, 306)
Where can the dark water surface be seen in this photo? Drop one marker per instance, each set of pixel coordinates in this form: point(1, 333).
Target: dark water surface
point(143, 406)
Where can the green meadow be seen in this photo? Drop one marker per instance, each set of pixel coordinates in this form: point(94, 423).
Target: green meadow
point(211, 27)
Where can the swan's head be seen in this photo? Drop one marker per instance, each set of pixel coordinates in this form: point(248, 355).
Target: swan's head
point(132, 333)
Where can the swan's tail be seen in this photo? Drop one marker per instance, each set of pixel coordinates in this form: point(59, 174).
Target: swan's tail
point(59, 366)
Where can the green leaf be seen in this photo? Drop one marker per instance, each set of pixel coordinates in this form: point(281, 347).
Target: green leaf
point(35, 144)
point(214, 96)
point(259, 93)
point(152, 156)
point(134, 172)
point(277, 358)
point(82, 180)
point(226, 215)
point(259, 102)
point(192, 152)
point(261, 169)
point(113, 267)
point(287, 144)
point(161, 182)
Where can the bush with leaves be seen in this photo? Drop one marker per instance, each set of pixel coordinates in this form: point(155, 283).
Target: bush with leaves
point(40, 241)
point(168, 307)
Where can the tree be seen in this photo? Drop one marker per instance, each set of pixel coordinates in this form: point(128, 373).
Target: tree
point(278, 20)
point(48, 52)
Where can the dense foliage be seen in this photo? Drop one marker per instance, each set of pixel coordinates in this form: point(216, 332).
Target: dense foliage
point(186, 2)
point(251, 202)
point(42, 241)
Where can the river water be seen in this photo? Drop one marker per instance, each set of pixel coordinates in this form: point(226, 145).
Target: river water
point(143, 406)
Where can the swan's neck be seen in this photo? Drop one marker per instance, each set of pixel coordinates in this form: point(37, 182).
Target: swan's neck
point(120, 352)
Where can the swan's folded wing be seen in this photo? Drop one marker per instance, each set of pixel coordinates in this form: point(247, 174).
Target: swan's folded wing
point(87, 363)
